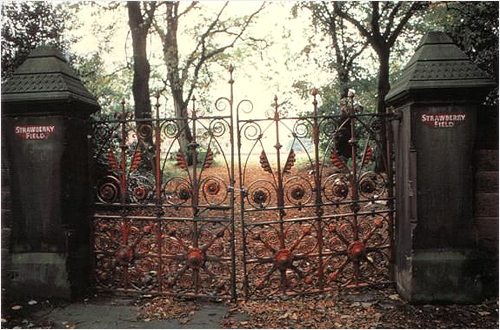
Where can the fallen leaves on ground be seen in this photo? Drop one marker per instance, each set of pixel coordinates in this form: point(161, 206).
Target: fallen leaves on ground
point(362, 309)
point(165, 308)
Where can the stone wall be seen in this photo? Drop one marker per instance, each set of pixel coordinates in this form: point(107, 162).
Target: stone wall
point(6, 222)
point(486, 195)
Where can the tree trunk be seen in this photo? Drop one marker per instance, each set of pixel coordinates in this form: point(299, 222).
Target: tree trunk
point(185, 137)
point(382, 90)
point(171, 58)
point(140, 85)
point(342, 137)
point(343, 75)
point(383, 79)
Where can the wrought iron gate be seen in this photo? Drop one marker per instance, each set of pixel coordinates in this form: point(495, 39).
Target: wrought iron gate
point(157, 229)
point(318, 217)
point(324, 229)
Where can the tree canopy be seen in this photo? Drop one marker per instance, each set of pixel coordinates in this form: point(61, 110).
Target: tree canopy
point(186, 43)
point(27, 25)
point(473, 25)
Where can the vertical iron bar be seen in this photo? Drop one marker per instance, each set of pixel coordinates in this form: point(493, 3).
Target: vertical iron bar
point(317, 187)
point(123, 195)
point(232, 185)
point(354, 172)
point(158, 193)
point(242, 203)
point(281, 200)
point(354, 181)
point(123, 147)
point(194, 194)
point(390, 193)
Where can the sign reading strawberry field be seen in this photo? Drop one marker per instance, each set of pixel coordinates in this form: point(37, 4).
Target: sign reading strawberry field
point(443, 120)
point(34, 132)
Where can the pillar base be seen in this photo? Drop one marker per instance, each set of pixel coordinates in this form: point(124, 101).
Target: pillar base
point(444, 276)
point(40, 275)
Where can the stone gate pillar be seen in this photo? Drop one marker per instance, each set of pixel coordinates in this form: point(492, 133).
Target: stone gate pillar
point(45, 111)
point(435, 239)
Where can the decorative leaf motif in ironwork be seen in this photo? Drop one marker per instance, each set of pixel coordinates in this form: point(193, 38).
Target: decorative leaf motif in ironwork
point(209, 158)
point(136, 160)
point(368, 156)
point(337, 162)
point(112, 161)
point(264, 162)
point(181, 160)
point(289, 162)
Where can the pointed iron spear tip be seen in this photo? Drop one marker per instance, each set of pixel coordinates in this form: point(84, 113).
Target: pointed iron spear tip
point(314, 91)
point(122, 101)
point(231, 68)
point(157, 95)
point(194, 98)
point(275, 98)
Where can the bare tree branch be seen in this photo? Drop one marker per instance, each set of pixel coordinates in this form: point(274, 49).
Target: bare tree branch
point(402, 23)
point(390, 19)
point(338, 11)
point(188, 9)
point(149, 12)
point(375, 21)
point(206, 56)
point(201, 43)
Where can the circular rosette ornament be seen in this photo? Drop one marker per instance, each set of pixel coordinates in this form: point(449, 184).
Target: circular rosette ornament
point(142, 274)
point(214, 190)
point(195, 258)
point(124, 255)
point(222, 104)
point(301, 237)
point(328, 127)
point(140, 189)
point(298, 190)
point(218, 127)
point(336, 187)
point(245, 106)
point(169, 129)
point(177, 191)
point(106, 235)
point(371, 184)
point(108, 190)
point(262, 240)
point(144, 131)
point(257, 249)
point(105, 272)
point(376, 125)
point(251, 131)
point(302, 128)
point(260, 193)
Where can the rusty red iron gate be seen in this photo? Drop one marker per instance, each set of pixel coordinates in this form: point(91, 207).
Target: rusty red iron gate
point(245, 207)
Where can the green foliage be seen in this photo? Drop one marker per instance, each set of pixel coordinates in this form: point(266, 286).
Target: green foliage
point(108, 88)
point(27, 25)
point(474, 27)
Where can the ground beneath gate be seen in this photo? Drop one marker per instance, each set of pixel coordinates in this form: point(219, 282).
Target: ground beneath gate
point(352, 309)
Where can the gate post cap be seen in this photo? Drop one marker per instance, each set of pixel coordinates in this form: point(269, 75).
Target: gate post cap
point(45, 78)
point(439, 67)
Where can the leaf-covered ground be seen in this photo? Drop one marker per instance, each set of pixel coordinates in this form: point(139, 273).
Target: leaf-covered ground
point(367, 308)
point(361, 309)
